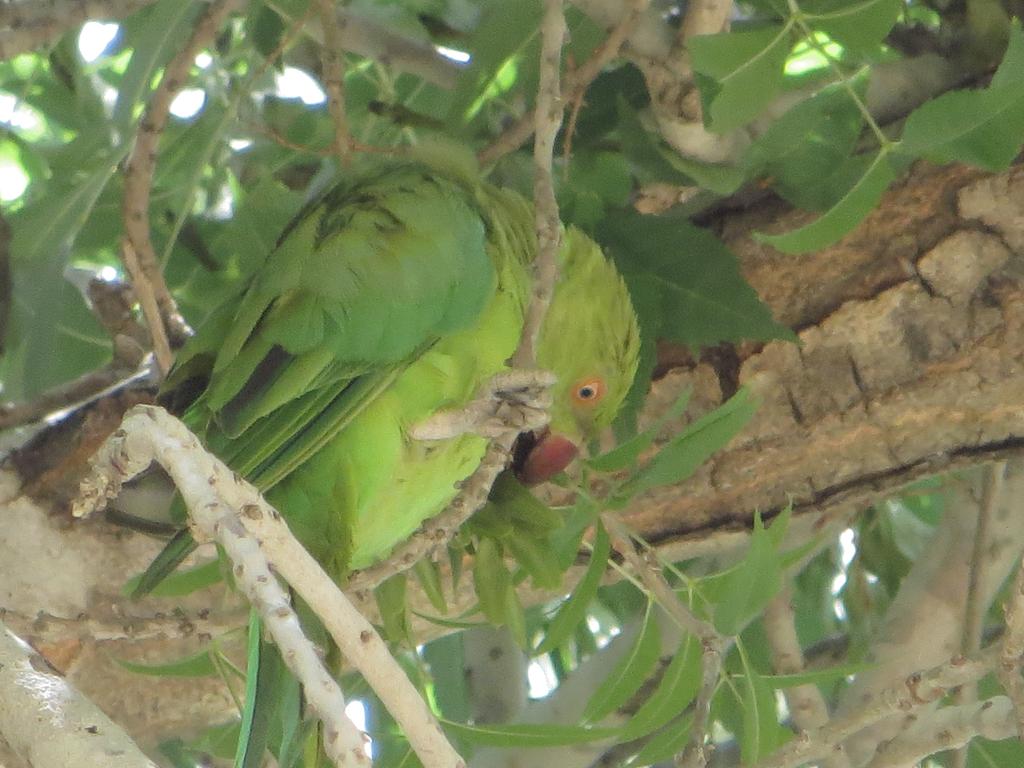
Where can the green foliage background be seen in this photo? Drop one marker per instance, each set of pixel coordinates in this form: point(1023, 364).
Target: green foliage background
point(231, 175)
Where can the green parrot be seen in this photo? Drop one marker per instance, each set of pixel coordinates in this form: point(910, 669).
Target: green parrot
point(389, 298)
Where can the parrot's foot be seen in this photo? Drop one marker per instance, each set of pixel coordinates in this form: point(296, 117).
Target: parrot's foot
point(516, 400)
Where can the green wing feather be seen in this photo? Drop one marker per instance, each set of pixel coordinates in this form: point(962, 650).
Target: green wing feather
point(363, 280)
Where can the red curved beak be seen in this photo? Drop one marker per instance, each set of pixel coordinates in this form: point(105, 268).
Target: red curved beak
point(549, 456)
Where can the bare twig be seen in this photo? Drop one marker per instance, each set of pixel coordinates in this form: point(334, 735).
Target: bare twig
point(947, 728)
point(146, 293)
point(64, 395)
point(712, 643)
point(232, 511)
point(976, 604)
point(548, 119)
point(49, 723)
point(146, 273)
point(575, 85)
point(916, 691)
point(334, 78)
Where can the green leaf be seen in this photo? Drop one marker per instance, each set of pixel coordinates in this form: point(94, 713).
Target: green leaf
point(445, 658)
point(816, 677)
point(629, 673)
point(742, 72)
point(677, 688)
point(983, 127)
point(45, 228)
point(539, 559)
point(748, 588)
point(859, 25)
point(761, 734)
point(843, 216)
point(503, 34)
point(182, 582)
point(573, 610)
point(681, 456)
point(625, 454)
point(429, 576)
point(197, 665)
point(391, 602)
point(443, 621)
point(514, 615)
point(492, 580)
point(803, 152)
point(155, 34)
point(664, 745)
point(265, 671)
point(528, 735)
point(704, 299)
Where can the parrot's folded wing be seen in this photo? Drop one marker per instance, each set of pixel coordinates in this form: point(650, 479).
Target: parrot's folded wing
point(362, 282)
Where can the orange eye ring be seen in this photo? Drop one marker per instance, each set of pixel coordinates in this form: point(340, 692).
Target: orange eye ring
point(589, 391)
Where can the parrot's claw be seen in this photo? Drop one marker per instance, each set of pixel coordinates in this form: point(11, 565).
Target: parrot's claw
point(516, 400)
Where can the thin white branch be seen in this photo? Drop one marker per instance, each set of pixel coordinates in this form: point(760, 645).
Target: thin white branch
point(49, 723)
point(948, 728)
point(923, 625)
point(916, 691)
point(214, 497)
point(233, 511)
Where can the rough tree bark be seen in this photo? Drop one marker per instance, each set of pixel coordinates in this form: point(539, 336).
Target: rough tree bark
point(911, 335)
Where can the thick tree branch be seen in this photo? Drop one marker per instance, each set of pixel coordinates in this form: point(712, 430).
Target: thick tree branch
point(215, 501)
point(50, 724)
point(918, 690)
point(229, 510)
point(806, 704)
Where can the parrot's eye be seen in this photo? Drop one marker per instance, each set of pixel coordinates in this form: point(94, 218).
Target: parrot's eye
point(588, 391)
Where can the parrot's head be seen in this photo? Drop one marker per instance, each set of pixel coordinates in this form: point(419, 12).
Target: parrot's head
point(591, 342)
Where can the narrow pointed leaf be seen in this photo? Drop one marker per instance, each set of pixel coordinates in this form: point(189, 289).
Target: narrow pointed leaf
point(629, 674)
point(574, 609)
